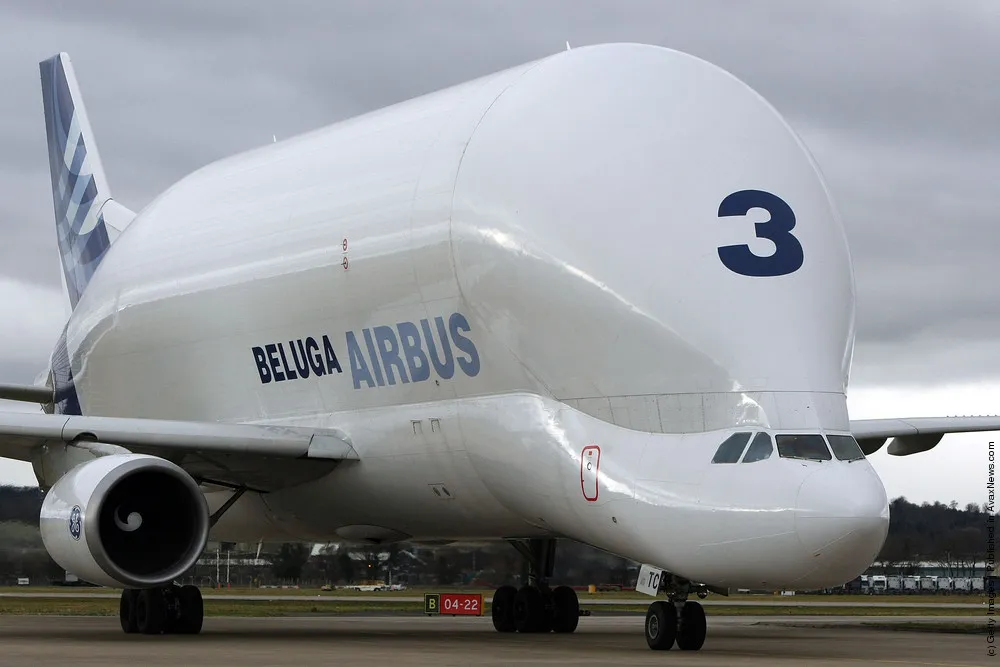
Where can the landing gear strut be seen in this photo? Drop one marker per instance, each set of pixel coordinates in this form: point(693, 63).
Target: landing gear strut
point(163, 610)
point(676, 619)
point(534, 607)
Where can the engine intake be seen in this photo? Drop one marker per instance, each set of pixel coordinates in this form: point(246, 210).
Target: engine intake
point(126, 520)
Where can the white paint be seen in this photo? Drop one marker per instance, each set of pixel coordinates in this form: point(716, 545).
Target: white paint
point(568, 209)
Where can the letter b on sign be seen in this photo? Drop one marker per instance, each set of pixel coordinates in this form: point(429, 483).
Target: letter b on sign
point(432, 603)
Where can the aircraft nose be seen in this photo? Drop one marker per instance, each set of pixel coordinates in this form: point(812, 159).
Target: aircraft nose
point(841, 518)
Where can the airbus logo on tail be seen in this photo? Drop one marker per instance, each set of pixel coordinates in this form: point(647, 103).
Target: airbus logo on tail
point(382, 355)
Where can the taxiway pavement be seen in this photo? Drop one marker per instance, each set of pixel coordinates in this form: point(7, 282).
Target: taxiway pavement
point(735, 641)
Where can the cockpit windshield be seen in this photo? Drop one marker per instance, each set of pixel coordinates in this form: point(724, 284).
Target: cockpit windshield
point(731, 448)
point(760, 448)
point(845, 448)
point(809, 446)
point(804, 446)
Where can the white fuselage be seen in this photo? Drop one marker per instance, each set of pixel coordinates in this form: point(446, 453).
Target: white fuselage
point(562, 219)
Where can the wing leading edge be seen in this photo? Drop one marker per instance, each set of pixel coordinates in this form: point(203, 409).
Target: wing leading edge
point(264, 457)
point(917, 434)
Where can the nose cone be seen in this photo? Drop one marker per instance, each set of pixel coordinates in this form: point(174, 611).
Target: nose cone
point(841, 519)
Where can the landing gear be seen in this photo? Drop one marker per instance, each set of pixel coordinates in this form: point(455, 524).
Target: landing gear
point(676, 620)
point(126, 611)
point(531, 613)
point(503, 609)
point(163, 610)
point(191, 612)
point(535, 607)
point(566, 610)
point(151, 611)
point(691, 627)
point(661, 625)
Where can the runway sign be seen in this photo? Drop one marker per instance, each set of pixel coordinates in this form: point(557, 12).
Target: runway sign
point(454, 604)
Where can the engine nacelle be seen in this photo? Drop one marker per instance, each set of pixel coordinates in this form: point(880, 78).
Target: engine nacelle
point(125, 520)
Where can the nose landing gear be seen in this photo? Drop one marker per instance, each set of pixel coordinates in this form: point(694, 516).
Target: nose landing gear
point(676, 619)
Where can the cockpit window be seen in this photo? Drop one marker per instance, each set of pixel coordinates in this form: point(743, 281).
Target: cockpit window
point(845, 448)
point(731, 448)
point(760, 448)
point(806, 446)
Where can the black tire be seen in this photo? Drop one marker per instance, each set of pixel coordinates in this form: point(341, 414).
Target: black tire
point(126, 611)
point(692, 627)
point(503, 609)
point(566, 610)
point(529, 610)
point(151, 612)
point(192, 610)
point(661, 625)
point(548, 610)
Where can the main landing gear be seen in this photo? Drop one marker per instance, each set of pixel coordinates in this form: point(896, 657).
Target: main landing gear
point(163, 610)
point(676, 619)
point(534, 607)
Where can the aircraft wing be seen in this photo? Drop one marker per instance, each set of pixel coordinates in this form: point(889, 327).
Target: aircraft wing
point(917, 434)
point(261, 457)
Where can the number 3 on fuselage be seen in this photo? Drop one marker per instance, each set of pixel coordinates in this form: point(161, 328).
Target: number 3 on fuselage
point(787, 257)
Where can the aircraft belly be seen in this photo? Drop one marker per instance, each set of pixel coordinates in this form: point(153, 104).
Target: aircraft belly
point(416, 478)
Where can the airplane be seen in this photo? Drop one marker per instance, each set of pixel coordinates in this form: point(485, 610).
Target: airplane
point(604, 296)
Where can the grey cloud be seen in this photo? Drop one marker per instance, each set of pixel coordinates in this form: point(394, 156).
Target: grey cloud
point(897, 99)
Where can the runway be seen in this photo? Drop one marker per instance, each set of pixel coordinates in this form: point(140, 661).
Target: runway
point(35, 641)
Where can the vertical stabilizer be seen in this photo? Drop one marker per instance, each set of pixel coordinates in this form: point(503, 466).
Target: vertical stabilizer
point(79, 187)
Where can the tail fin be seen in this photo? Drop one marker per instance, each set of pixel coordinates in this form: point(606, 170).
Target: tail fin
point(80, 192)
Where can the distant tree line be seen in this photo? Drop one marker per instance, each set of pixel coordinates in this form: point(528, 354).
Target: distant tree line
point(20, 503)
point(942, 534)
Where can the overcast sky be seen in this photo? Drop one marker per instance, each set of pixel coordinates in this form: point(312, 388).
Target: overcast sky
point(898, 100)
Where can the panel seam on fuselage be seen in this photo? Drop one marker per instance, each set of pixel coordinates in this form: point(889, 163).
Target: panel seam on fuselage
point(451, 207)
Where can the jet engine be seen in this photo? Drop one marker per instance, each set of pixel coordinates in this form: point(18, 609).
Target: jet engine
point(125, 520)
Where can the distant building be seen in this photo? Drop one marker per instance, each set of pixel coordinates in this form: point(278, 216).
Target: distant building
point(932, 569)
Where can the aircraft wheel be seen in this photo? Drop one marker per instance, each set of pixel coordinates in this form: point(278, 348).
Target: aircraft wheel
point(692, 628)
point(503, 609)
point(661, 625)
point(548, 605)
point(126, 610)
point(151, 612)
point(192, 610)
point(566, 609)
point(529, 610)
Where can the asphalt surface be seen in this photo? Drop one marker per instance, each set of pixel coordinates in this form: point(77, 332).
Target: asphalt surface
point(861, 601)
point(36, 641)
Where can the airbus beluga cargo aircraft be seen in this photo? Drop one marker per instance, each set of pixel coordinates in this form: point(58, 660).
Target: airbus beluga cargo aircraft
point(603, 297)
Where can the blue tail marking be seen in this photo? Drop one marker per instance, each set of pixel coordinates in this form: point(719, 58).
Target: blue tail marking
point(79, 189)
